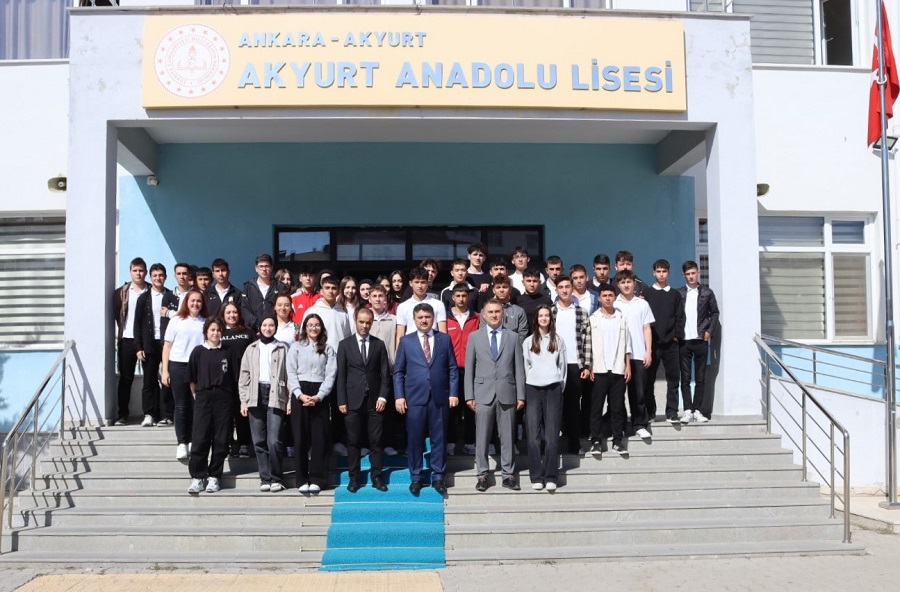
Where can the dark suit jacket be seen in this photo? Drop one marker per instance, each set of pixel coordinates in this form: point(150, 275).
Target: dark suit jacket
point(143, 322)
point(416, 381)
point(355, 379)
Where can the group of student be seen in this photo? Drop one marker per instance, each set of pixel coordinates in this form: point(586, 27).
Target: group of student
point(373, 366)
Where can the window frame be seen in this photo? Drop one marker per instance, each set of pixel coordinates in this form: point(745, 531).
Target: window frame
point(829, 249)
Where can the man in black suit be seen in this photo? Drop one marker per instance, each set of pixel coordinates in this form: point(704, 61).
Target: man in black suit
point(363, 385)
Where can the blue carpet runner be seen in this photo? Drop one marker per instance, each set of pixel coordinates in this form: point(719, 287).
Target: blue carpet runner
point(385, 530)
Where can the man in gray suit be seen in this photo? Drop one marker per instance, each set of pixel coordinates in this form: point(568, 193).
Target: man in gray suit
point(495, 390)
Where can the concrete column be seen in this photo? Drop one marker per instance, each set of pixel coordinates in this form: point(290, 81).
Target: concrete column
point(90, 243)
point(734, 264)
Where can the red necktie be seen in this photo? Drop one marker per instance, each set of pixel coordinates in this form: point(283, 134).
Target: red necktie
point(427, 348)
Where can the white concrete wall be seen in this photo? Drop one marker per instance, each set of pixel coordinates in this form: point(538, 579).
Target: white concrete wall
point(34, 124)
point(863, 418)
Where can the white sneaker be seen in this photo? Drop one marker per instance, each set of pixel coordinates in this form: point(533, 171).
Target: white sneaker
point(451, 449)
point(390, 451)
point(687, 417)
point(699, 417)
point(314, 489)
point(644, 434)
point(303, 488)
point(537, 486)
point(196, 486)
point(265, 486)
point(340, 449)
point(551, 486)
point(148, 422)
point(181, 452)
point(212, 485)
point(469, 449)
point(276, 487)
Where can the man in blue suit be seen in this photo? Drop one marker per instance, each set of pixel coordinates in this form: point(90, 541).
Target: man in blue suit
point(426, 385)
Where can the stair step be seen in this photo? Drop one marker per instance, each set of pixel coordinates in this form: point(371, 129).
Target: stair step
point(172, 498)
point(644, 532)
point(580, 494)
point(154, 516)
point(225, 559)
point(547, 511)
point(139, 540)
point(618, 552)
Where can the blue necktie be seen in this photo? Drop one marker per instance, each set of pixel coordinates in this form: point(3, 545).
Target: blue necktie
point(495, 351)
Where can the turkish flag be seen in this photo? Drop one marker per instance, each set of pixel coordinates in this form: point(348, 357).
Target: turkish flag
point(892, 89)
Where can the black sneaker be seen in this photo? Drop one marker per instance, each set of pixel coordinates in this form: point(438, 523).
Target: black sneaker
point(595, 450)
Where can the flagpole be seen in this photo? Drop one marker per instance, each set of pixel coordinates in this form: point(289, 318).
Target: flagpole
point(890, 374)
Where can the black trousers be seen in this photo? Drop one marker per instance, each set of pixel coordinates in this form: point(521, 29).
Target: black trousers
point(312, 444)
point(359, 422)
point(636, 395)
point(212, 420)
point(462, 419)
point(184, 401)
point(608, 387)
point(543, 412)
point(242, 425)
point(127, 355)
point(156, 399)
point(667, 355)
point(572, 409)
point(694, 353)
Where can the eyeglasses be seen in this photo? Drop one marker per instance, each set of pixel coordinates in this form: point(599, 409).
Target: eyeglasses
point(314, 326)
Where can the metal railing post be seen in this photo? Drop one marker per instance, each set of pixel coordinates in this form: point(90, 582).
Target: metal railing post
point(803, 434)
point(815, 368)
point(34, 433)
point(833, 492)
point(62, 404)
point(846, 486)
point(768, 396)
point(3, 469)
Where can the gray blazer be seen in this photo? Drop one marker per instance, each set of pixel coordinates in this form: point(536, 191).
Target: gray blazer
point(487, 379)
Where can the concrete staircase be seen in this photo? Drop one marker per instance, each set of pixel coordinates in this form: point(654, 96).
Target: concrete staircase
point(725, 488)
point(116, 496)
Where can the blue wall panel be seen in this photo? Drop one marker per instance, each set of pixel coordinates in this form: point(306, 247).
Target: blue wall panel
point(223, 199)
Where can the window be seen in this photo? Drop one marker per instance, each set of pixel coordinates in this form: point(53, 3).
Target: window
point(702, 249)
point(32, 30)
point(837, 32)
point(32, 256)
point(372, 250)
point(814, 274)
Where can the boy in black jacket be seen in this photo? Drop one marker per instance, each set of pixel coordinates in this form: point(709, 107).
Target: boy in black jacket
point(150, 325)
point(701, 318)
point(667, 307)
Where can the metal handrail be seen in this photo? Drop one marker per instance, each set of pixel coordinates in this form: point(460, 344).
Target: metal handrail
point(780, 341)
point(851, 378)
point(9, 449)
point(806, 395)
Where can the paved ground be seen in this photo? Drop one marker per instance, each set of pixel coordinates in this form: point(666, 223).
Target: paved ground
point(878, 570)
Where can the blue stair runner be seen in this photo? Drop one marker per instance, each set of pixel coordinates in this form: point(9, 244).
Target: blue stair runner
point(385, 530)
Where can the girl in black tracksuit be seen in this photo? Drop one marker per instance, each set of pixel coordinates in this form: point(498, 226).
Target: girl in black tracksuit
point(212, 373)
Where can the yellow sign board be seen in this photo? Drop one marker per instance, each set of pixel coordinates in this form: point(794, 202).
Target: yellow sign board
point(297, 59)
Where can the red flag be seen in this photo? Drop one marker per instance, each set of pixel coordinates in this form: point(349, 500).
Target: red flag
point(892, 89)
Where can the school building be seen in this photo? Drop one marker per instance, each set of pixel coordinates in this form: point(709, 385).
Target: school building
point(364, 136)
